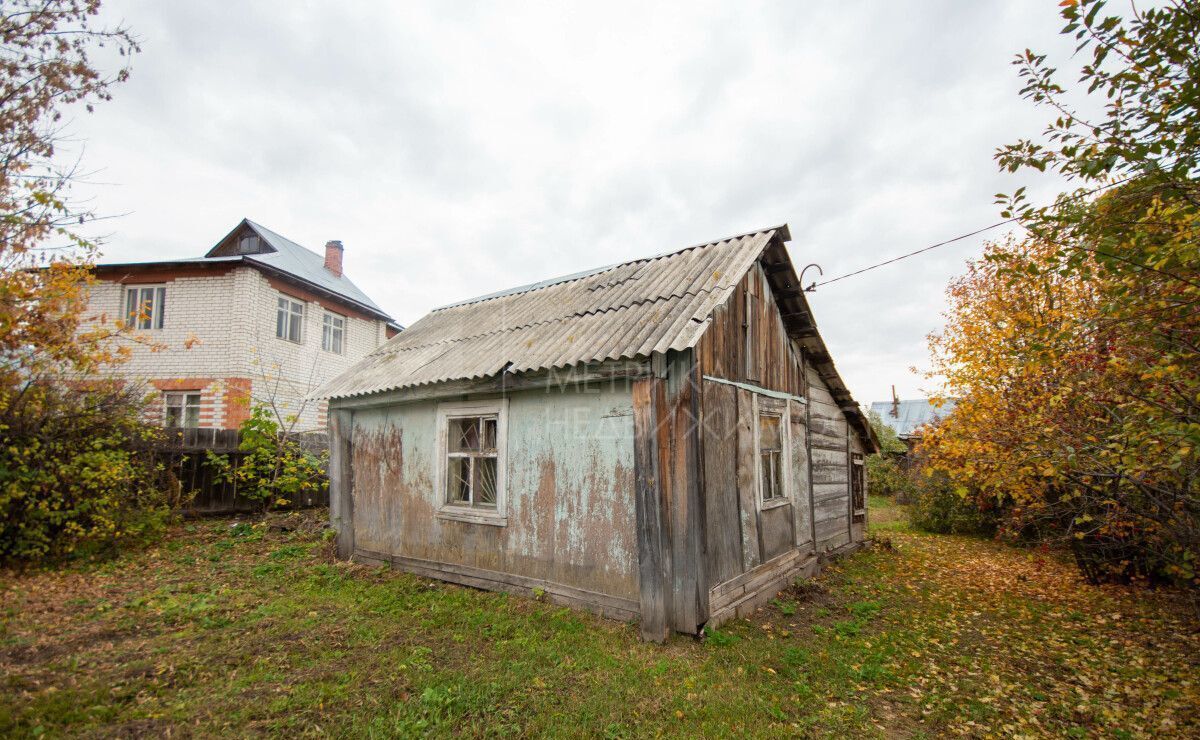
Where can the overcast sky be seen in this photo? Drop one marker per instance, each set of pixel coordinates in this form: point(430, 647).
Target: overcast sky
point(462, 148)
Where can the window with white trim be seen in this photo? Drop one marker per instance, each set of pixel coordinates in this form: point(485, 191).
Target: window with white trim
point(181, 409)
point(471, 455)
point(289, 319)
point(145, 306)
point(333, 333)
point(770, 456)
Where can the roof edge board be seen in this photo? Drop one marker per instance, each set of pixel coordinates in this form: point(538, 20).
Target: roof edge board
point(837, 385)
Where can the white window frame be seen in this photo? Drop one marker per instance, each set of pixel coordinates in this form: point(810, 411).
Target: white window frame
point(292, 301)
point(183, 407)
point(476, 515)
point(327, 330)
point(158, 301)
point(783, 410)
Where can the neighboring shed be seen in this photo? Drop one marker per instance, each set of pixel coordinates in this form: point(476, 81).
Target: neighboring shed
point(664, 440)
point(907, 417)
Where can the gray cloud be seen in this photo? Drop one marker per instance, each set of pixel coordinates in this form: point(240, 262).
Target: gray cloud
point(458, 149)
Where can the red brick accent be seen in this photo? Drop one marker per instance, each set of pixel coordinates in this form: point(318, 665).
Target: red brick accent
point(333, 257)
point(181, 384)
point(237, 401)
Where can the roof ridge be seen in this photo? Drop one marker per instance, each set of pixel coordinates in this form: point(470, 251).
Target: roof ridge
point(259, 227)
point(571, 277)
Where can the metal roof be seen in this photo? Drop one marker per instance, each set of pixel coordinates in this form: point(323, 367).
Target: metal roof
point(905, 417)
point(623, 311)
point(307, 265)
point(287, 258)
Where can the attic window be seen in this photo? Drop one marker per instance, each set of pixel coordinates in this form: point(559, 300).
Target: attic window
point(249, 244)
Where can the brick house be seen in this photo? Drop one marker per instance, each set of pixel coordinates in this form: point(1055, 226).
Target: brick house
point(258, 318)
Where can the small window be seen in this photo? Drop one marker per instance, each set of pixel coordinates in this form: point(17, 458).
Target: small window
point(770, 456)
point(471, 461)
point(145, 306)
point(333, 332)
point(182, 410)
point(289, 319)
point(471, 453)
point(248, 244)
point(858, 497)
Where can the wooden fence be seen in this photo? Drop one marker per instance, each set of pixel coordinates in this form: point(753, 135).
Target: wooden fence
point(184, 453)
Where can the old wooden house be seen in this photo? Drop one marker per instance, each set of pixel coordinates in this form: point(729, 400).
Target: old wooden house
point(664, 440)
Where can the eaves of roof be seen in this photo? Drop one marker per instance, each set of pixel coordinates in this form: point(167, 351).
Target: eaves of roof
point(266, 267)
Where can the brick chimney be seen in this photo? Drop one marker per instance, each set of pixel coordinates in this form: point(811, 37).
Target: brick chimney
point(333, 257)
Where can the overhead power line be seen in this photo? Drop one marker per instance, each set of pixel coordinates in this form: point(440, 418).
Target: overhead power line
point(958, 238)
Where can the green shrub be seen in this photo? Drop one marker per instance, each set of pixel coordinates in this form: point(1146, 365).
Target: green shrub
point(888, 476)
point(887, 472)
point(79, 475)
point(937, 506)
point(277, 468)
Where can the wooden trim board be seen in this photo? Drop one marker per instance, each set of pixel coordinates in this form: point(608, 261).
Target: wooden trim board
point(613, 607)
point(741, 596)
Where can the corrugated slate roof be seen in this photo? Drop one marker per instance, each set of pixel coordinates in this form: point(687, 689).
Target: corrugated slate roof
point(623, 311)
point(906, 417)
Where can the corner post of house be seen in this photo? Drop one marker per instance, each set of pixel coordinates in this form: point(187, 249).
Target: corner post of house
point(653, 525)
point(341, 479)
point(684, 501)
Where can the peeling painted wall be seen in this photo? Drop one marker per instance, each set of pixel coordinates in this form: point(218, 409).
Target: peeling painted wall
point(570, 490)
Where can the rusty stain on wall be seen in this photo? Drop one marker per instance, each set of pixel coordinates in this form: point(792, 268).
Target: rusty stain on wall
point(570, 503)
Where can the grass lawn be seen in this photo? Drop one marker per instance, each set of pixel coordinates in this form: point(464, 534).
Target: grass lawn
point(240, 627)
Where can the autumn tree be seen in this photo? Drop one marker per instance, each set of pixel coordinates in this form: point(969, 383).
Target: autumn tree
point(70, 470)
point(1075, 349)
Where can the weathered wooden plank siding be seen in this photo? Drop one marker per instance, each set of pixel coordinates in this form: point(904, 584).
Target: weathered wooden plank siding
point(722, 351)
point(653, 533)
point(681, 440)
point(801, 478)
point(746, 342)
point(830, 466)
point(746, 488)
point(570, 493)
point(722, 526)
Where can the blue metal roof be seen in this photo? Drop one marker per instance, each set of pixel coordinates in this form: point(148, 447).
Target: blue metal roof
point(905, 417)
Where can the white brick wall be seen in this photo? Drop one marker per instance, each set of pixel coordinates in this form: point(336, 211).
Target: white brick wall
point(232, 319)
point(289, 371)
